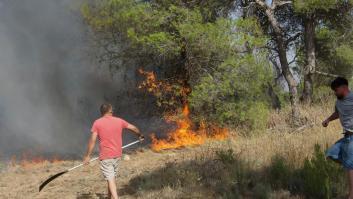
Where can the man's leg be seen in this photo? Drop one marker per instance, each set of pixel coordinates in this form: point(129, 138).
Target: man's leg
point(334, 152)
point(109, 194)
point(112, 189)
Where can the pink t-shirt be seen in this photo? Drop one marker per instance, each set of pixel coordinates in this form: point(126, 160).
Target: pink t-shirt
point(109, 130)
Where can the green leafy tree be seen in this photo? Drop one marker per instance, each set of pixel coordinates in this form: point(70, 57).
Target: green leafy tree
point(279, 23)
point(319, 18)
point(194, 42)
point(234, 94)
point(293, 27)
point(334, 42)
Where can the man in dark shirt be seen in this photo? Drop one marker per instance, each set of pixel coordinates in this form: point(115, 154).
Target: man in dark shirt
point(342, 150)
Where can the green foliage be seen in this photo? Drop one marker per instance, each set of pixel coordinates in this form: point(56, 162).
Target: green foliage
point(262, 191)
point(335, 48)
point(234, 93)
point(211, 45)
point(318, 178)
point(235, 176)
point(226, 156)
point(224, 92)
point(210, 9)
point(146, 28)
point(280, 173)
point(310, 6)
point(333, 40)
point(345, 53)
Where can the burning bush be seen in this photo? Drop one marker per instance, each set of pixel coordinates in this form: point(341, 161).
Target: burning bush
point(183, 135)
point(170, 94)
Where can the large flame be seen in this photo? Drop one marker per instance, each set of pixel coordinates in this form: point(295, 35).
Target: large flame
point(183, 135)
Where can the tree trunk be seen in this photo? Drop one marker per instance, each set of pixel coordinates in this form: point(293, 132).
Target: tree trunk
point(310, 62)
point(282, 51)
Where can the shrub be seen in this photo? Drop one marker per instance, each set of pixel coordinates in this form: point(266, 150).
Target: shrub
point(235, 94)
point(280, 172)
point(226, 156)
point(322, 178)
point(317, 178)
point(236, 178)
point(262, 191)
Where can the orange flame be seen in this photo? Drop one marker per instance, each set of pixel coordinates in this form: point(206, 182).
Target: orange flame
point(183, 135)
point(152, 84)
point(28, 161)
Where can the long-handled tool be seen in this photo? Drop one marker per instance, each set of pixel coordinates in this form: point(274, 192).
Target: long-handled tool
point(75, 167)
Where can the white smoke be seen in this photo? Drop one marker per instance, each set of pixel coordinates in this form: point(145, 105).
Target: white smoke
point(49, 87)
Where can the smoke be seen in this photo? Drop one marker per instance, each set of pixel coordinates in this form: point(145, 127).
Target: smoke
point(50, 86)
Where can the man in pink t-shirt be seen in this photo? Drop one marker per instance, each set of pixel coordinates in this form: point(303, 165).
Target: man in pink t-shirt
point(109, 129)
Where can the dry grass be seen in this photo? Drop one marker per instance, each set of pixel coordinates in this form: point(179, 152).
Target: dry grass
point(294, 144)
point(255, 153)
point(187, 173)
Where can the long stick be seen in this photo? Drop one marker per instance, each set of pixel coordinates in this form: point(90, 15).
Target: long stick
point(75, 167)
point(96, 158)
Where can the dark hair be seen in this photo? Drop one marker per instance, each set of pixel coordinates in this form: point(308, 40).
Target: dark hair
point(339, 81)
point(105, 108)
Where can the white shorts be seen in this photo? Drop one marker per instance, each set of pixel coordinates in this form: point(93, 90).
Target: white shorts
point(109, 168)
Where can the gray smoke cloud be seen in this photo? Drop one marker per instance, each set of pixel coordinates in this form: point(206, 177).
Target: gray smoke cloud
point(50, 85)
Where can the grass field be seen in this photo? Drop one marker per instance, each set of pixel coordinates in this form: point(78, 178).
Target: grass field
point(276, 163)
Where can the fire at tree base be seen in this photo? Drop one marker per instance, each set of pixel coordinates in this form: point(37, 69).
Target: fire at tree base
point(184, 136)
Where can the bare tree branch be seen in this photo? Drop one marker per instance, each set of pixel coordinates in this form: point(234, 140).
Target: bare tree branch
point(262, 4)
point(325, 74)
point(275, 4)
point(280, 3)
point(293, 38)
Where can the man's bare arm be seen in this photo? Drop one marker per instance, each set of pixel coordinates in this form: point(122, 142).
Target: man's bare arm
point(135, 130)
point(332, 117)
point(90, 147)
